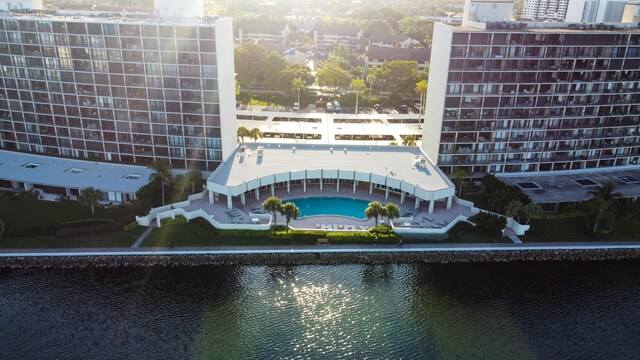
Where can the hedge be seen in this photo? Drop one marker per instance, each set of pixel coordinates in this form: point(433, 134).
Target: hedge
point(130, 226)
point(179, 220)
point(362, 236)
point(2, 227)
point(94, 229)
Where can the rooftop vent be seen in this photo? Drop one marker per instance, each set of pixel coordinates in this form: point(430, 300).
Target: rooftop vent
point(628, 179)
point(31, 165)
point(132, 176)
point(74, 170)
point(528, 185)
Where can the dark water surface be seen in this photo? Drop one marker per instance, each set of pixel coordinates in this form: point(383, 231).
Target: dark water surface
point(479, 311)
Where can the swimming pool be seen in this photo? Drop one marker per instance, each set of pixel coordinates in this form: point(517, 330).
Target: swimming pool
point(331, 206)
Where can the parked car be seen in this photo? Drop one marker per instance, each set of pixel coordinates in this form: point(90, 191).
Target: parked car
point(296, 106)
point(377, 108)
point(403, 109)
point(329, 107)
point(337, 107)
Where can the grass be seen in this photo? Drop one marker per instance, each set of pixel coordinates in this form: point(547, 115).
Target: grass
point(112, 239)
point(464, 232)
point(27, 213)
point(574, 230)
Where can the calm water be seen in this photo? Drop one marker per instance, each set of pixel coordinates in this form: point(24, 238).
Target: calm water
point(481, 311)
point(331, 205)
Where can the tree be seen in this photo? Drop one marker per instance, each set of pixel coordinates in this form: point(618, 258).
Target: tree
point(330, 74)
point(357, 85)
point(514, 209)
point(421, 89)
point(273, 205)
point(243, 132)
point(249, 64)
point(374, 25)
point(457, 176)
point(375, 210)
point(290, 211)
point(421, 30)
point(371, 78)
point(298, 85)
point(255, 134)
point(341, 50)
point(90, 197)
point(162, 171)
point(409, 140)
point(603, 202)
point(393, 143)
point(531, 211)
point(398, 76)
point(191, 177)
point(489, 220)
point(274, 64)
point(523, 213)
point(141, 207)
point(392, 210)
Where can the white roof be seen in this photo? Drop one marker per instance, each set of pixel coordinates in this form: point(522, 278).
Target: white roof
point(71, 173)
point(399, 165)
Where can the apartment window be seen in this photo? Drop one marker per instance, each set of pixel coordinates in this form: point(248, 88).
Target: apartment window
point(14, 37)
point(111, 29)
point(176, 141)
point(44, 26)
point(46, 39)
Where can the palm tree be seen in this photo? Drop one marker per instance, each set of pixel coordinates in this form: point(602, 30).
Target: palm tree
point(457, 176)
point(255, 134)
point(409, 140)
point(421, 89)
point(298, 84)
point(392, 210)
point(375, 210)
point(272, 205)
point(191, 177)
point(162, 171)
point(90, 197)
point(371, 78)
point(242, 133)
point(604, 198)
point(357, 85)
point(290, 211)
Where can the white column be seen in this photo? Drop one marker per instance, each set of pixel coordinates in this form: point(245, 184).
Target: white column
point(431, 205)
point(417, 203)
point(229, 202)
point(338, 185)
point(402, 197)
point(449, 200)
point(257, 193)
point(211, 197)
point(386, 192)
point(288, 186)
point(16, 185)
point(370, 188)
point(242, 199)
point(28, 186)
point(67, 191)
point(273, 190)
point(321, 181)
point(354, 186)
point(304, 185)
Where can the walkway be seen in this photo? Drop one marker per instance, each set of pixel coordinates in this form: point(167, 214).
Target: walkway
point(302, 249)
point(144, 235)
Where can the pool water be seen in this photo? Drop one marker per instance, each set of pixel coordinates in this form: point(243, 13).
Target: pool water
point(331, 206)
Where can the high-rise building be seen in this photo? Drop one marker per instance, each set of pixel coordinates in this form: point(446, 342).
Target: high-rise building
point(592, 11)
point(533, 97)
point(555, 10)
point(123, 88)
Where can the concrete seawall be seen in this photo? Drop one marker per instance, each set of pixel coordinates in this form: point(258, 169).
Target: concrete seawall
point(317, 257)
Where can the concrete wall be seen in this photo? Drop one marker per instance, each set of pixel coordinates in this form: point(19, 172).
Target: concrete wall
point(226, 86)
point(438, 75)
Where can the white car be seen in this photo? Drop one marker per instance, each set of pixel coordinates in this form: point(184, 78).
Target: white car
point(296, 106)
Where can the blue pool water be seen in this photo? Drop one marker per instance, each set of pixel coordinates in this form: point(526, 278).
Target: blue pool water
point(331, 206)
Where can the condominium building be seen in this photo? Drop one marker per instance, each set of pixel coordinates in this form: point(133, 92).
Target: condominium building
point(127, 88)
point(535, 97)
point(595, 10)
point(555, 10)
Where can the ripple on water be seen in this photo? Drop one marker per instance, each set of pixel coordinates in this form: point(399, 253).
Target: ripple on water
point(523, 310)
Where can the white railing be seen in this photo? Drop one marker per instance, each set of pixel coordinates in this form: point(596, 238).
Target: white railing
point(190, 215)
point(430, 231)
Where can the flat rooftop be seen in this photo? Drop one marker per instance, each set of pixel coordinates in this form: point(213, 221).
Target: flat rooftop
point(72, 173)
point(570, 187)
point(398, 162)
point(108, 17)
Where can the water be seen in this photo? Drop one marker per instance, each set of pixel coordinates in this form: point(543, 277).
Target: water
point(479, 311)
point(331, 206)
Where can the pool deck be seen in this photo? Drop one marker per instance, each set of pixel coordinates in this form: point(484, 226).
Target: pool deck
point(440, 217)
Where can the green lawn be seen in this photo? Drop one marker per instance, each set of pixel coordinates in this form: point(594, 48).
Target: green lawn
point(112, 239)
point(27, 213)
point(574, 230)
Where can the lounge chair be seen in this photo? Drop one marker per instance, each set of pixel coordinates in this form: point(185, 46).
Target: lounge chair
point(317, 226)
point(362, 228)
point(341, 227)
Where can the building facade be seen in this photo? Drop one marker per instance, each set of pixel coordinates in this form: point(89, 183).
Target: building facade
point(554, 10)
point(534, 98)
point(124, 89)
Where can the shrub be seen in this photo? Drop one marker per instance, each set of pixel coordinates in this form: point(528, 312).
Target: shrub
point(2, 227)
point(130, 226)
point(362, 236)
point(489, 220)
point(179, 220)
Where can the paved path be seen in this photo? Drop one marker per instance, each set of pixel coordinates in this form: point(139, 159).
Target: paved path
point(515, 239)
point(230, 250)
point(143, 236)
